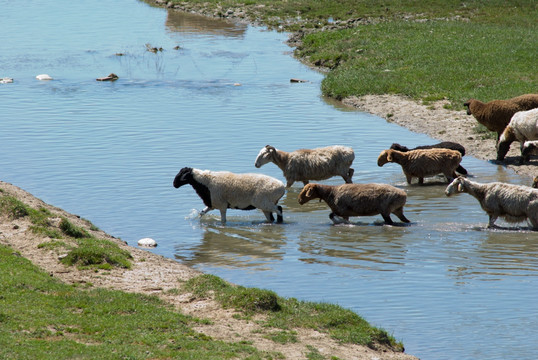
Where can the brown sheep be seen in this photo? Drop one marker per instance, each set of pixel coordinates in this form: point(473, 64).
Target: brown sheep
point(358, 200)
point(496, 114)
point(423, 163)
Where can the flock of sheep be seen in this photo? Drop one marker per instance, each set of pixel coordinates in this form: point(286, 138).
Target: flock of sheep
point(513, 120)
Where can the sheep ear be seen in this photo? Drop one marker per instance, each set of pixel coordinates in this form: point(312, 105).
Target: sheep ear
point(389, 156)
point(309, 191)
point(270, 148)
point(460, 188)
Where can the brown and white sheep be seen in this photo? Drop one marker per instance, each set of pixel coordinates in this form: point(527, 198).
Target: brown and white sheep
point(522, 127)
point(496, 114)
point(423, 163)
point(310, 164)
point(515, 203)
point(225, 190)
point(442, 145)
point(358, 200)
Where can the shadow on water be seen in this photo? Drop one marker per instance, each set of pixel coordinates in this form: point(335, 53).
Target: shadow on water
point(181, 22)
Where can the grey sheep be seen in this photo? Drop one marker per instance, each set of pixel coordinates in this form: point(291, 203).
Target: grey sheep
point(310, 164)
point(423, 163)
point(358, 200)
point(442, 145)
point(522, 127)
point(225, 190)
point(515, 203)
point(496, 114)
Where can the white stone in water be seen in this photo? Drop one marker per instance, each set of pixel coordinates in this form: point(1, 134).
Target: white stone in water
point(43, 77)
point(148, 242)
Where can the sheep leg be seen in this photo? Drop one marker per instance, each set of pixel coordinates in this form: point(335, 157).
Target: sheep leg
point(338, 219)
point(492, 219)
point(269, 216)
point(387, 219)
point(289, 183)
point(409, 178)
point(205, 211)
point(399, 213)
point(223, 216)
point(279, 215)
point(420, 180)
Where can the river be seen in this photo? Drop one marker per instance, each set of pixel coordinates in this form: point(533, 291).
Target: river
point(445, 285)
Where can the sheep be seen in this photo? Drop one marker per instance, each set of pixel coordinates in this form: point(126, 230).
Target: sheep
point(225, 190)
point(358, 200)
point(535, 182)
point(423, 163)
point(522, 127)
point(514, 203)
point(529, 148)
point(496, 114)
point(310, 164)
point(442, 145)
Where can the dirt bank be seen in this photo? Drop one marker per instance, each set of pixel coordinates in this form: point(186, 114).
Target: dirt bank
point(153, 274)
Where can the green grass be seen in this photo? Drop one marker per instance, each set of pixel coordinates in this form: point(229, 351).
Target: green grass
point(83, 249)
point(41, 318)
point(341, 324)
point(430, 50)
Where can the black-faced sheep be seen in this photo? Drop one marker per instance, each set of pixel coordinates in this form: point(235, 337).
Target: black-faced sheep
point(522, 127)
point(358, 200)
point(496, 114)
point(310, 164)
point(423, 163)
point(514, 203)
point(442, 145)
point(225, 190)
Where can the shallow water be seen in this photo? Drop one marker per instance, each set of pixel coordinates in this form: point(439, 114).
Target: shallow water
point(445, 285)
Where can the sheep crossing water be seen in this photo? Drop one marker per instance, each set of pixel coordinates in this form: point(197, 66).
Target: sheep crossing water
point(224, 190)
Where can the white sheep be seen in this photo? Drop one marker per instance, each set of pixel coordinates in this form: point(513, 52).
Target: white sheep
point(515, 203)
point(358, 200)
point(225, 190)
point(522, 127)
point(423, 163)
point(310, 164)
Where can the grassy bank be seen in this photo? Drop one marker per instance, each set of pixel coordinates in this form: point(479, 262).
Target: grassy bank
point(42, 317)
point(427, 50)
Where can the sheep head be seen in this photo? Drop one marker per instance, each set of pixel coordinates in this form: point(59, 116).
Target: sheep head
point(384, 157)
point(535, 182)
point(264, 156)
point(456, 186)
point(184, 176)
point(309, 192)
point(467, 104)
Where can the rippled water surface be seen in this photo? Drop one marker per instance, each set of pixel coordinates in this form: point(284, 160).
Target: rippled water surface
point(445, 285)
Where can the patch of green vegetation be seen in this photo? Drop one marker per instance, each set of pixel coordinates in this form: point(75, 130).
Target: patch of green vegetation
point(53, 245)
point(484, 132)
point(86, 251)
point(100, 253)
point(282, 337)
point(41, 318)
point(341, 324)
point(69, 229)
